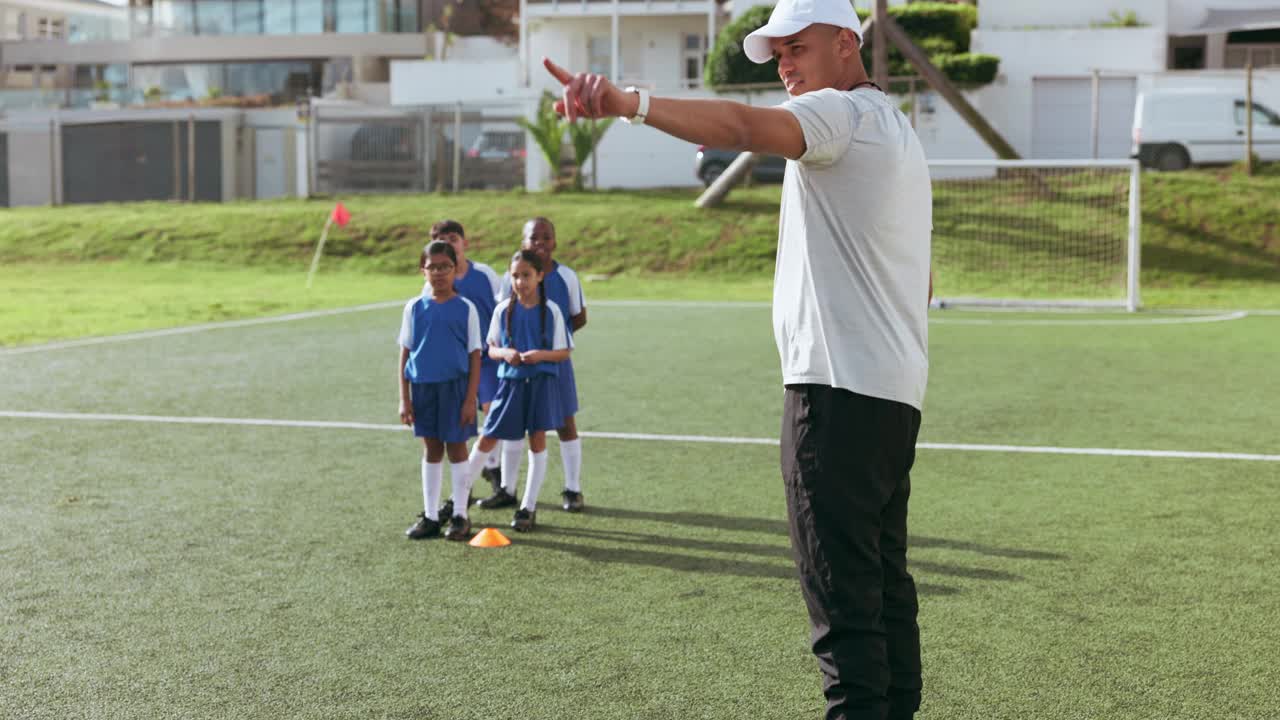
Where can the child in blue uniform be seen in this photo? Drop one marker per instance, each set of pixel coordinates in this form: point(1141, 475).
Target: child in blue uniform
point(439, 379)
point(528, 336)
point(478, 283)
point(564, 289)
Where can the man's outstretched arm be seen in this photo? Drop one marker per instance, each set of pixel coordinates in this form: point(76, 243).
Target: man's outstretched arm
point(718, 123)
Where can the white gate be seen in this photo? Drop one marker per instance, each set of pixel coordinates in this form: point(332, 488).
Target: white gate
point(1062, 117)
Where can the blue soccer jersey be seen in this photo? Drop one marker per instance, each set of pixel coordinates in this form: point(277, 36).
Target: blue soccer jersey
point(535, 328)
point(481, 286)
point(440, 338)
point(563, 289)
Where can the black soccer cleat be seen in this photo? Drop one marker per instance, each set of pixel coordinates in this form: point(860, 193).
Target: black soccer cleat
point(446, 510)
point(425, 527)
point(572, 501)
point(494, 476)
point(499, 499)
point(459, 529)
point(524, 520)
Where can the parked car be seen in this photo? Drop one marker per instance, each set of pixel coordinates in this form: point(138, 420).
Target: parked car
point(384, 156)
point(495, 160)
point(711, 162)
point(1174, 129)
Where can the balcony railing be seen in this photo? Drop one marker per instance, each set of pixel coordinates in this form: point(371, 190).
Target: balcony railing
point(183, 18)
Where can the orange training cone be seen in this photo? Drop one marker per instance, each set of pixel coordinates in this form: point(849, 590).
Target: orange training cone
point(489, 537)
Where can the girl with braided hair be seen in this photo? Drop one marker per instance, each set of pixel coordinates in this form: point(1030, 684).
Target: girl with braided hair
point(527, 337)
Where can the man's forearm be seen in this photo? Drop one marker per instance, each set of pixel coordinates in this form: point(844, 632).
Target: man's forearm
point(727, 125)
point(718, 123)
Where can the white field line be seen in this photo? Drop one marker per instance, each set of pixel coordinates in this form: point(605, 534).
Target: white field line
point(292, 317)
point(692, 304)
point(1188, 320)
point(318, 424)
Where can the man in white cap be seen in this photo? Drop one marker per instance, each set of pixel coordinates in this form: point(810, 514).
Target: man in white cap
point(849, 313)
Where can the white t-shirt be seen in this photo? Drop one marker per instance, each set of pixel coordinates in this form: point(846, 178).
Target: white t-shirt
point(850, 296)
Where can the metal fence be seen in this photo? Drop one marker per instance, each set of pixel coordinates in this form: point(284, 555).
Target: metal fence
point(4, 169)
point(91, 160)
point(358, 149)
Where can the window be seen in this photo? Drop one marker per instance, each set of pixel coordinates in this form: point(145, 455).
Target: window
point(694, 60)
point(599, 56)
point(1261, 115)
point(248, 17)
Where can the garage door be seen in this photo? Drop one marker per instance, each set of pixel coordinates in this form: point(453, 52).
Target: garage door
point(1062, 117)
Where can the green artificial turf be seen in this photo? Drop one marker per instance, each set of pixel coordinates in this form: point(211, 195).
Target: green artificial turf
point(159, 570)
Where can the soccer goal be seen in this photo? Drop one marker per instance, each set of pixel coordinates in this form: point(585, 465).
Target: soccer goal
point(1036, 233)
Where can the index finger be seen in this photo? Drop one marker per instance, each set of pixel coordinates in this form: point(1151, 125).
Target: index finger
point(556, 71)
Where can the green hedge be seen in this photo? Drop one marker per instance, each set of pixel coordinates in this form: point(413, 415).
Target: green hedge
point(940, 29)
point(949, 21)
point(727, 64)
point(968, 69)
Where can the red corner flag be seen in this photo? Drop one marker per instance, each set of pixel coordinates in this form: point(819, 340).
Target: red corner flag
point(340, 215)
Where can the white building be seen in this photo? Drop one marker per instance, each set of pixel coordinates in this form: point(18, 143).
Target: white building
point(660, 44)
point(1050, 52)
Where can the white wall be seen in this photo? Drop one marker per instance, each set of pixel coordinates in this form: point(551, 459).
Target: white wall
point(479, 47)
point(649, 47)
point(1023, 14)
point(427, 82)
point(641, 157)
point(1025, 55)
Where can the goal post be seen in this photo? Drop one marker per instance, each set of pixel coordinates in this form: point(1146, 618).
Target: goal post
point(1037, 233)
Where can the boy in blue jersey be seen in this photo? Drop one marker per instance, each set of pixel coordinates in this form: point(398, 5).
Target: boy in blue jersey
point(438, 381)
point(564, 289)
point(478, 283)
point(528, 336)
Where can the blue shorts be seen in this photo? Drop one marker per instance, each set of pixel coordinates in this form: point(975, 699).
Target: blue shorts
point(488, 381)
point(568, 390)
point(522, 406)
point(437, 411)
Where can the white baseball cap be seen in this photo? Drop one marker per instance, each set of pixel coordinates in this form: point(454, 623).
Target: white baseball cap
point(792, 16)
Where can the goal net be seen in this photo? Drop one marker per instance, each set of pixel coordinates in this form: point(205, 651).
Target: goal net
point(1036, 233)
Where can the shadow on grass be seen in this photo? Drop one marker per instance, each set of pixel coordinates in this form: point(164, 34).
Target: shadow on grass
point(1258, 263)
point(779, 527)
point(754, 560)
point(689, 563)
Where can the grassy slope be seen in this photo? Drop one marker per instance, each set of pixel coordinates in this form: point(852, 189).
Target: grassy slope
point(1210, 239)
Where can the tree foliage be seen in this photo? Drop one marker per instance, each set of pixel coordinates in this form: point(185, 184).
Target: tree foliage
point(548, 130)
point(941, 29)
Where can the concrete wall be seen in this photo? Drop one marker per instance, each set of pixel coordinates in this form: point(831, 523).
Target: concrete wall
point(1025, 55)
point(30, 165)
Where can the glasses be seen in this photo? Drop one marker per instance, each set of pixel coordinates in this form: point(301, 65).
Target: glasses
point(445, 268)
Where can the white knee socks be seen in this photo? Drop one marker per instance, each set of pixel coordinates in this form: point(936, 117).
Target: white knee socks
point(537, 473)
point(432, 479)
point(571, 457)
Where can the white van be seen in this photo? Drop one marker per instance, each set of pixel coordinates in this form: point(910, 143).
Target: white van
point(1173, 129)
